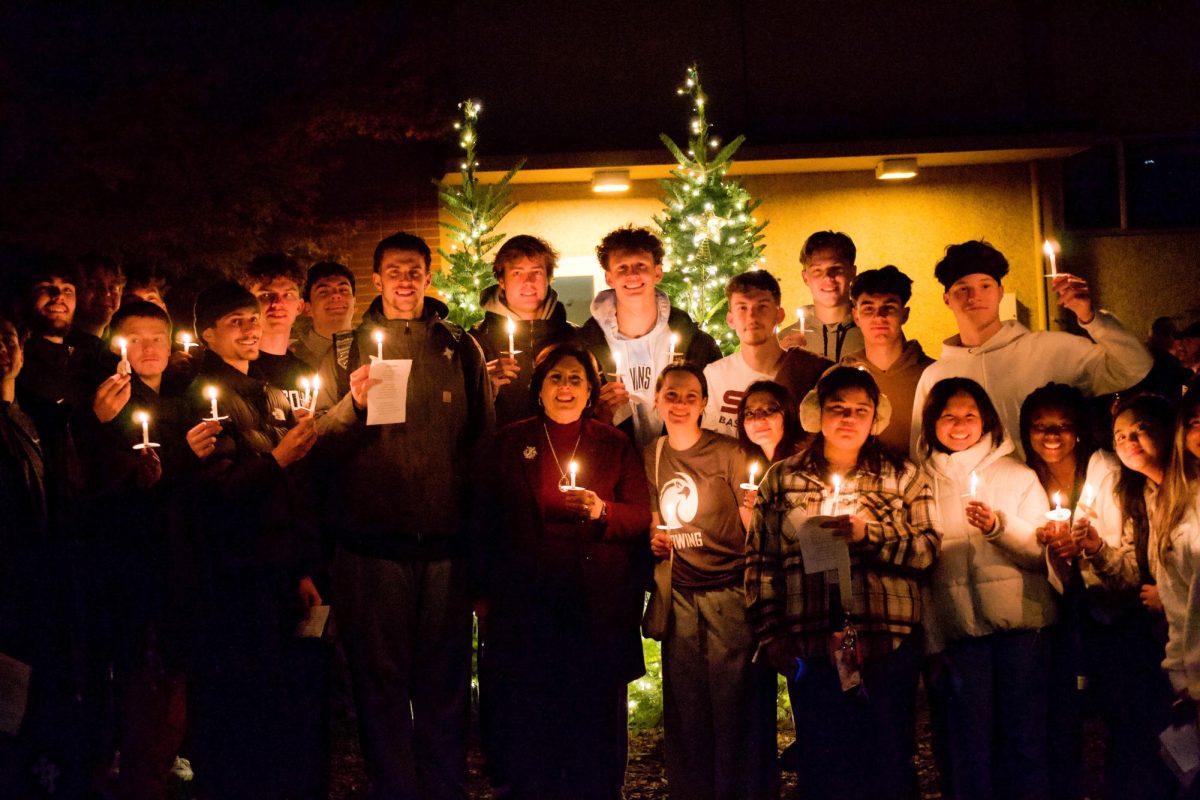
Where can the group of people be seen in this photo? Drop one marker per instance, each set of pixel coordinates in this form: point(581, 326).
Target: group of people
point(192, 523)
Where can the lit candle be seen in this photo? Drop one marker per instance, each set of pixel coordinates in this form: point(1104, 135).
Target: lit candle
point(123, 367)
point(512, 329)
point(974, 490)
point(316, 390)
point(750, 485)
point(573, 468)
point(306, 387)
point(617, 366)
point(1086, 497)
point(144, 418)
point(211, 393)
point(674, 341)
point(837, 489)
point(188, 344)
point(1058, 513)
point(379, 343)
point(1048, 249)
point(800, 315)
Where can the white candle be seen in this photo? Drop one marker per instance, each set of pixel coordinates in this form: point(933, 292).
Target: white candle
point(574, 470)
point(974, 490)
point(211, 393)
point(800, 315)
point(1058, 514)
point(1048, 249)
point(316, 390)
point(188, 344)
point(512, 329)
point(753, 471)
point(617, 367)
point(1086, 497)
point(750, 485)
point(379, 343)
point(123, 367)
point(837, 491)
point(144, 418)
point(674, 341)
point(306, 388)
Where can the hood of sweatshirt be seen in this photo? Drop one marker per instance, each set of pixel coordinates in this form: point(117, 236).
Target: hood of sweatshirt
point(1009, 332)
point(604, 311)
point(493, 301)
point(911, 357)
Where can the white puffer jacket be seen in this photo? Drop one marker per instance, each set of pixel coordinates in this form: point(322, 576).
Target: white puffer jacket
point(1178, 578)
point(984, 583)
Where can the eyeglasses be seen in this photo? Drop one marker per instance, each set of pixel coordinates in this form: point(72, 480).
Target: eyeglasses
point(764, 413)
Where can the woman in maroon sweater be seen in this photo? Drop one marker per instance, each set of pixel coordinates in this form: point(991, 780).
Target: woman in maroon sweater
point(564, 571)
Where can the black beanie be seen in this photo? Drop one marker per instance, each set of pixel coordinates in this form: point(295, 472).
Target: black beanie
point(970, 258)
point(220, 299)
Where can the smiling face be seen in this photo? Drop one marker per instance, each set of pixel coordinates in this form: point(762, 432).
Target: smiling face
point(1134, 444)
point(401, 282)
point(525, 285)
point(1191, 434)
point(1052, 435)
point(148, 342)
point(828, 277)
point(100, 296)
point(235, 336)
point(11, 356)
point(974, 300)
point(53, 306)
point(880, 317)
point(846, 418)
point(331, 303)
point(753, 315)
point(680, 401)
point(565, 390)
point(960, 425)
point(280, 300)
point(763, 422)
point(632, 274)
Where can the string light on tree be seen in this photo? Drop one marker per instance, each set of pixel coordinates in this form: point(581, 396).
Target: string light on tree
point(475, 211)
point(707, 223)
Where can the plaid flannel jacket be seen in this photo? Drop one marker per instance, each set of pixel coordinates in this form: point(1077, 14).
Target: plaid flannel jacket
point(887, 568)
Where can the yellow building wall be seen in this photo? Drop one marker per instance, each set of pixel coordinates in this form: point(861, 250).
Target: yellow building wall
point(906, 223)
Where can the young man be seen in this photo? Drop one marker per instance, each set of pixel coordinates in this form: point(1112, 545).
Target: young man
point(251, 535)
point(126, 499)
point(329, 303)
point(634, 322)
point(1008, 359)
point(827, 263)
point(880, 298)
point(149, 288)
point(100, 285)
point(396, 500)
point(275, 278)
point(523, 268)
point(1186, 347)
point(754, 313)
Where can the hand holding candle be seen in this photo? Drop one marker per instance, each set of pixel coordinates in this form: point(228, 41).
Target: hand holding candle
point(305, 392)
point(1049, 249)
point(123, 365)
point(143, 419)
point(211, 393)
point(750, 485)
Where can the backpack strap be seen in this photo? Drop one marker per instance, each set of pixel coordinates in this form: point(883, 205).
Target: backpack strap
point(345, 360)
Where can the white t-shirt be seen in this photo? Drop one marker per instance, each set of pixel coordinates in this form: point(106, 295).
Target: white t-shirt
point(727, 382)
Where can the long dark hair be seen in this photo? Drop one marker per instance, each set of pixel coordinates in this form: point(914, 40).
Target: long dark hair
point(791, 420)
point(872, 455)
point(935, 404)
point(1071, 402)
point(1156, 413)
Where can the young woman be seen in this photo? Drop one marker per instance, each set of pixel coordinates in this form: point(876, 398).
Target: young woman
point(1126, 632)
point(989, 601)
point(1060, 447)
point(848, 643)
point(718, 706)
point(563, 578)
point(1176, 532)
point(767, 423)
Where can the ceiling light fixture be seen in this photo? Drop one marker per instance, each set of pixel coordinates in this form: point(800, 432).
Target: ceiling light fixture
point(896, 169)
point(611, 181)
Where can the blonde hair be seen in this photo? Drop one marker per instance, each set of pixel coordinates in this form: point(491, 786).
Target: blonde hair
point(1178, 490)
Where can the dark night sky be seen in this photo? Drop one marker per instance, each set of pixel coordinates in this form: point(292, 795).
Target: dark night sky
point(200, 131)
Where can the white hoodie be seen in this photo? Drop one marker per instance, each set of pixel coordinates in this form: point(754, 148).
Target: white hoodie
point(985, 583)
point(1016, 360)
point(1178, 578)
point(641, 361)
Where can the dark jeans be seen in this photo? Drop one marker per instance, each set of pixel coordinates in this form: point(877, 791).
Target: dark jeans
point(855, 746)
point(988, 700)
point(406, 627)
point(153, 721)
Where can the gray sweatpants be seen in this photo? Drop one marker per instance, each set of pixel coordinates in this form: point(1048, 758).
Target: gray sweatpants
point(406, 626)
point(718, 707)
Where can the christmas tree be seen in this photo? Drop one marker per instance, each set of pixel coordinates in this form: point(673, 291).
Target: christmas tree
point(708, 227)
point(476, 210)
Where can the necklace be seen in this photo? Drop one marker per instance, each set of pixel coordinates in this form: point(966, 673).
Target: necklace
point(564, 481)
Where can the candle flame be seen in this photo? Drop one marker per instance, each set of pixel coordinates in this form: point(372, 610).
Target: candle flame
point(837, 483)
point(512, 326)
point(378, 335)
point(1088, 495)
point(1048, 248)
point(210, 392)
point(316, 384)
point(674, 339)
point(1057, 501)
point(304, 384)
point(121, 343)
point(574, 467)
point(185, 337)
point(142, 417)
point(974, 483)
